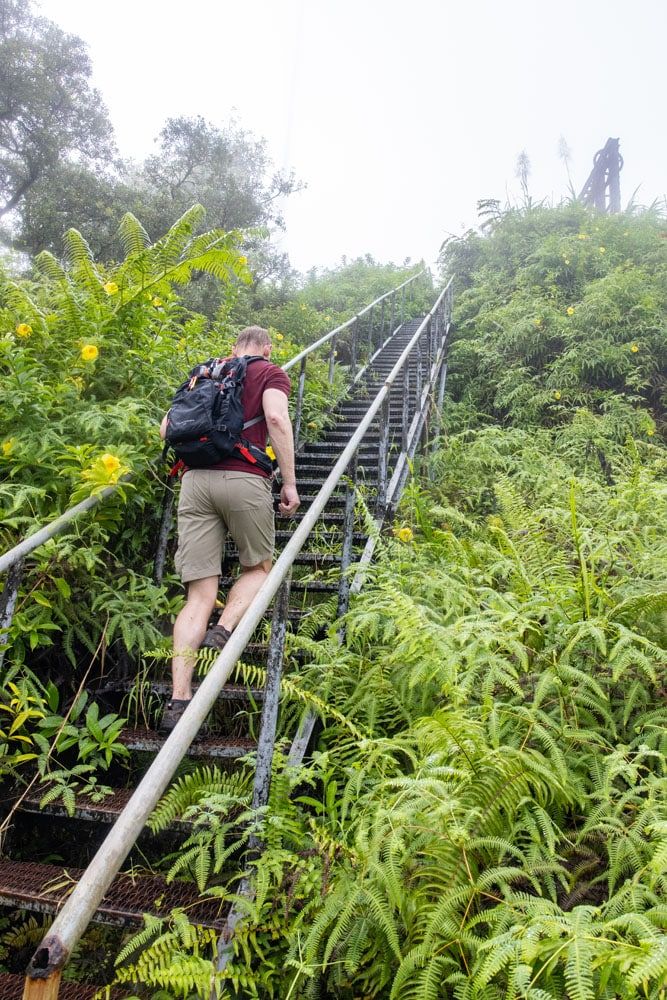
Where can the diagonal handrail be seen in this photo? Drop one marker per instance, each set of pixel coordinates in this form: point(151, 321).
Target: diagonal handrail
point(45, 969)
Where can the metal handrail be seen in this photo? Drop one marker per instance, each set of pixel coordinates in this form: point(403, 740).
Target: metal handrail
point(350, 322)
point(33, 542)
point(48, 961)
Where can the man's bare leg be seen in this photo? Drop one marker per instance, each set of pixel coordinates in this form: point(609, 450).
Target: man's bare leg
point(189, 630)
point(242, 594)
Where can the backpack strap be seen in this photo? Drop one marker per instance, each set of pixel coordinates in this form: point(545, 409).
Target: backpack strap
point(255, 420)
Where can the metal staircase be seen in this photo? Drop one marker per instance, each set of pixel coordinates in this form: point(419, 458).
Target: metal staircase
point(373, 435)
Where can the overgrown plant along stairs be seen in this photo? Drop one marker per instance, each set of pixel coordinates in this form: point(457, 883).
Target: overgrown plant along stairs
point(44, 853)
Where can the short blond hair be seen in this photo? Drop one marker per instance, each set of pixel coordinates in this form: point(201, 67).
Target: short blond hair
point(253, 335)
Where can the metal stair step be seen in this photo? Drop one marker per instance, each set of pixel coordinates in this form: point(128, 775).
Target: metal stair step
point(358, 538)
point(107, 810)
point(315, 483)
point(300, 586)
point(317, 559)
point(309, 498)
point(43, 888)
point(11, 988)
point(230, 692)
point(334, 449)
point(346, 432)
point(204, 746)
point(314, 466)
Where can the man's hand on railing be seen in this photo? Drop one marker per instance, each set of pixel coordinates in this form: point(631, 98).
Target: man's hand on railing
point(289, 500)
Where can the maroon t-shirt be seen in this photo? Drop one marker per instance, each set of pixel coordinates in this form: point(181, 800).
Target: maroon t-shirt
point(260, 375)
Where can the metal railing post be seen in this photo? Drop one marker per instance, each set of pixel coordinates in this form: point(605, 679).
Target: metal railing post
point(164, 529)
point(267, 733)
point(348, 535)
point(381, 338)
point(440, 399)
point(402, 305)
point(43, 989)
point(299, 404)
point(370, 332)
point(8, 600)
point(405, 416)
point(354, 346)
point(393, 313)
point(383, 457)
point(332, 361)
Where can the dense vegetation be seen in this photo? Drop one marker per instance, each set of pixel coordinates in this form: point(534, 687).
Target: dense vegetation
point(485, 814)
point(90, 354)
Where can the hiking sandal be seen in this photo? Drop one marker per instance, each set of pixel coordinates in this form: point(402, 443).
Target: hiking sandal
point(216, 638)
point(172, 714)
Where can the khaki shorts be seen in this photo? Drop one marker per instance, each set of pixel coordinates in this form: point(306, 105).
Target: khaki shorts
point(214, 502)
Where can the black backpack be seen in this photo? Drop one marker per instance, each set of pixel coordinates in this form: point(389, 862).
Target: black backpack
point(205, 420)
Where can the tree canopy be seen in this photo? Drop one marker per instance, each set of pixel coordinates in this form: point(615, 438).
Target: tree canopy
point(48, 110)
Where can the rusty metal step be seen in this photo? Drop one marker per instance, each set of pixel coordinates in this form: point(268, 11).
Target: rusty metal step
point(11, 988)
point(332, 502)
point(359, 538)
point(297, 586)
point(312, 468)
point(345, 432)
point(315, 559)
point(312, 483)
point(336, 447)
point(43, 888)
point(204, 746)
point(162, 686)
point(106, 810)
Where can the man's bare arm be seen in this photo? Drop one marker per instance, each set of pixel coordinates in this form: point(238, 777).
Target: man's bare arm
point(163, 427)
point(276, 413)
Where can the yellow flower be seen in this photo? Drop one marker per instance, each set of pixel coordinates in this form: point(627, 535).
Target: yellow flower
point(405, 534)
point(23, 330)
point(634, 348)
point(570, 310)
point(582, 236)
point(111, 288)
point(110, 463)
point(157, 302)
point(538, 323)
point(243, 261)
point(602, 250)
point(650, 433)
point(89, 352)
point(556, 394)
point(8, 447)
point(312, 424)
point(279, 336)
point(302, 307)
point(566, 260)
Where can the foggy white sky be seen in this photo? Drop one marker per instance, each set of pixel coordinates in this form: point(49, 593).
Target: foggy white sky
point(398, 114)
